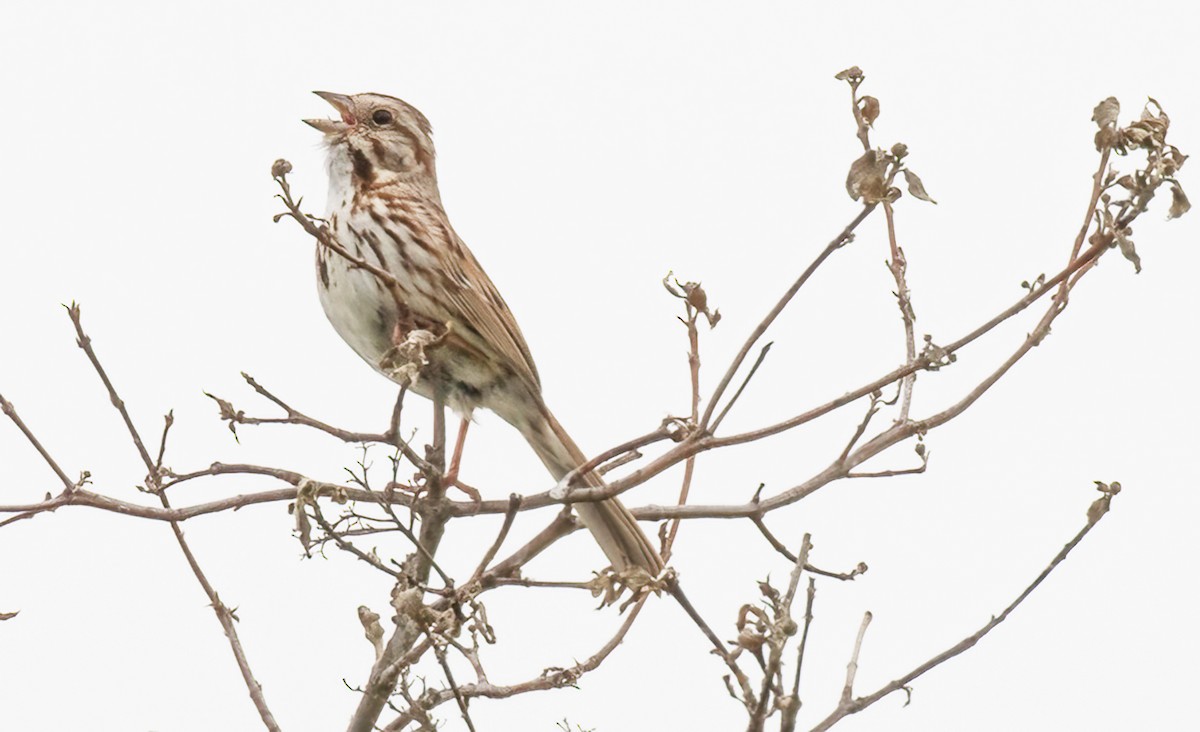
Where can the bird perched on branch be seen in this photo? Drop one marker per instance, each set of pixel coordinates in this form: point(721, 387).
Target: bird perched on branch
point(414, 302)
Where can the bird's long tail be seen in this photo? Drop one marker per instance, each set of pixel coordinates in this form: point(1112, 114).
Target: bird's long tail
point(614, 527)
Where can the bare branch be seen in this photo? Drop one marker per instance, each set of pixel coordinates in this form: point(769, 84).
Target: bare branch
point(294, 416)
point(848, 705)
point(84, 342)
point(551, 678)
point(689, 465)
point(899, 268)
point(782, 549)
point(852, 666)
point(784, 628)
point(514, 505)
point(843, 238)
point(346, 545)
point(762, 355)
point(790, 712)
point(458, 696)
point(11, 412)
point(224, 615)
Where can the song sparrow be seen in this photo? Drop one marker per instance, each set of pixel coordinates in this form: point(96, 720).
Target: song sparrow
point(385, 208)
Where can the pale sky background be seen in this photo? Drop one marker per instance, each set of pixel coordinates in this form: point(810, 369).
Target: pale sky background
point(584, 151)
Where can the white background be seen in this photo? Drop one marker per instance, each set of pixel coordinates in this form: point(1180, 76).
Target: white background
point(585, 151)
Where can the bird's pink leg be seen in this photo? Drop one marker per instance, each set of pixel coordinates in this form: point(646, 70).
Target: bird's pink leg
point(456, 458)
point(451, 477)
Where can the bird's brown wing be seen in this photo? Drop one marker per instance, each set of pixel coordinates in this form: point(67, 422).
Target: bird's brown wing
point(470, 297)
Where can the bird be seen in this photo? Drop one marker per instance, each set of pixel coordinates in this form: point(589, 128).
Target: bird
point(385, 210)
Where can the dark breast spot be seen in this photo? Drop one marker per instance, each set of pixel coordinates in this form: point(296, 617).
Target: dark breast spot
point(322, 270)
point(363, 169)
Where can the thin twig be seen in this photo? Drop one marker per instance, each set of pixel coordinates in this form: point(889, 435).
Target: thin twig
point(892, 473)
point(458, 696)
point(1097, 191)
point(224, 615)
point(514, 505)
point(848, 705)
point(348, 546)
point(872, 408)
point(425, 551)
point(762, 355)
point(85, 342)
point(527, 582)
point(11, 412)
point(808, 618)
point(551, 678)
point(656, 435)
point(899, 269)
point(863, 128)
point(689, 465)
point(168, 420)
point(326, 239)
point(781, 631)
point(294, 416)
point(899, 373)
point(782, 549)
point(843, 237)
point(852, 666)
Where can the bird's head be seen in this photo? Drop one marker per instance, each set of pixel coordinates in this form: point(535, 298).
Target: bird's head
point(378, 135)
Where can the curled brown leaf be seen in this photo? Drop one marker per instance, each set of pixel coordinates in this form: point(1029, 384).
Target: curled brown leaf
point(916, 187)
point(869, 108)
point(1105, 113)
point(1128, 250)
point(867, 177)
point(854, 75)
point(1179, 202)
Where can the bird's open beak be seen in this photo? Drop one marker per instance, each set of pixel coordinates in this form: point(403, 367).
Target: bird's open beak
point(344, 105)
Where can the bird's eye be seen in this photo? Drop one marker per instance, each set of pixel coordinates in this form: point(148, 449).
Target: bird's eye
point(381, 117)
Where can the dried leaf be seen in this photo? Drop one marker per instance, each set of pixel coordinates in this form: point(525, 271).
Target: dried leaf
point(899, 150)
point(1161, 115)
point(866, 178)
point(280, 168)
point(852, 74)
point(1105, 113)
point(9, 616)
point(1176, 157)
point(1109, 137)
point(1127, 249)
point(1179, 202)
point(1137, 136)
point(303, 528)
point(404, 361)
point(750, 640)
point(374, 631)
point(672, 288)
point(1149, 133)
point(916, 187)
point(228, 413)
point(869, 108)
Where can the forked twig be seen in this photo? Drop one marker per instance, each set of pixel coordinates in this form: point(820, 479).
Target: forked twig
point(224, 615)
